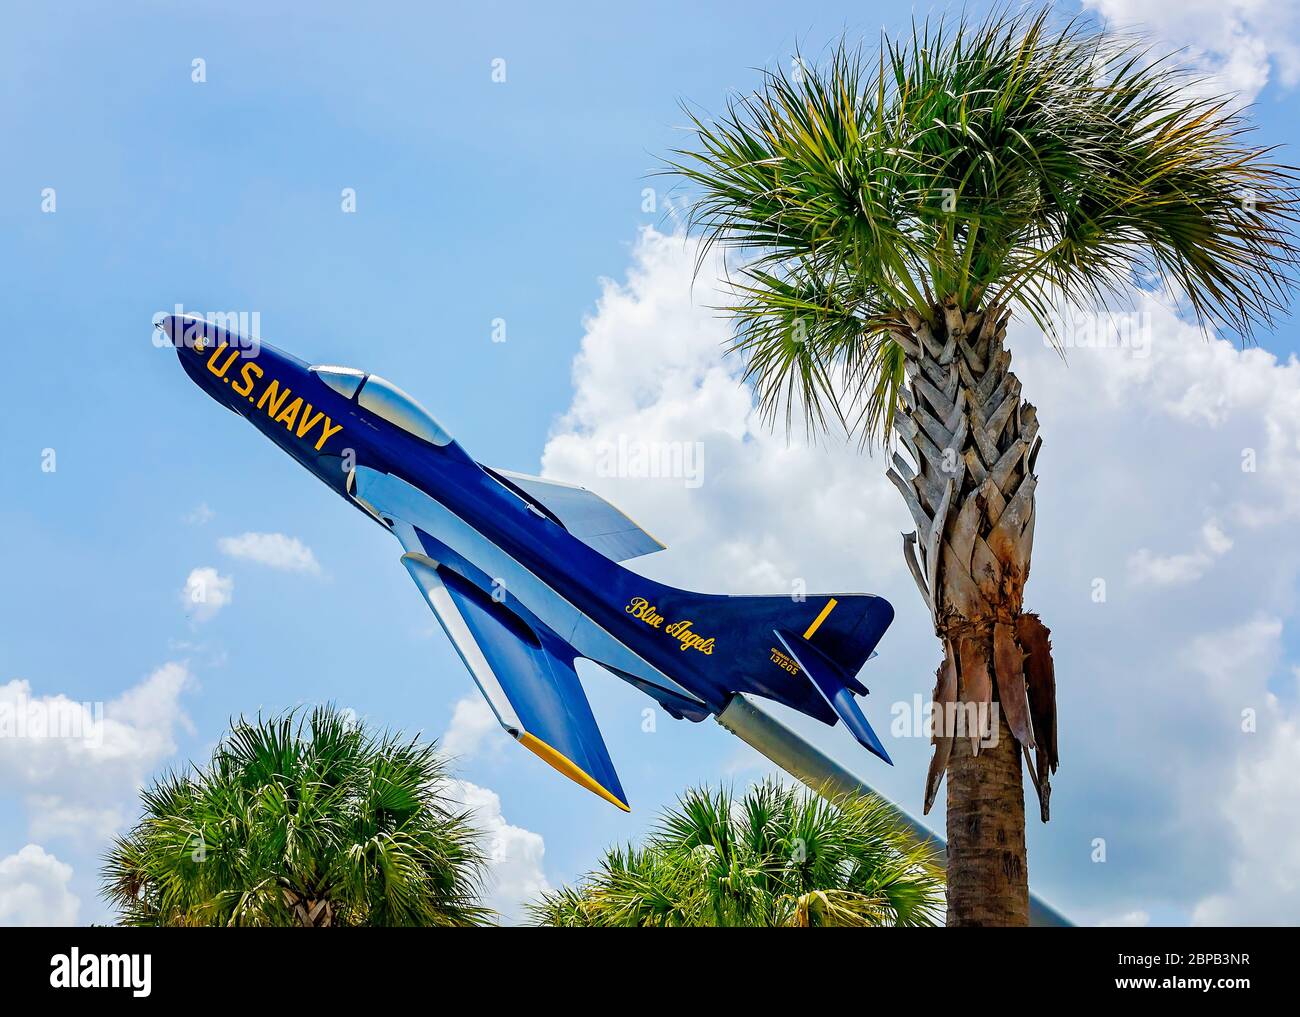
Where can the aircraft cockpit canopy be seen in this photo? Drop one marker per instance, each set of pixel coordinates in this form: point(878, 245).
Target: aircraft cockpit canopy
point(384, 399)
point(343, 380)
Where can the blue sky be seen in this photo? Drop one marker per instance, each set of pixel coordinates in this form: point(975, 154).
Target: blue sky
point(479, 200)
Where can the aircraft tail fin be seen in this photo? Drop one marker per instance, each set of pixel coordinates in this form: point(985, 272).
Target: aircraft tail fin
point(837, 685)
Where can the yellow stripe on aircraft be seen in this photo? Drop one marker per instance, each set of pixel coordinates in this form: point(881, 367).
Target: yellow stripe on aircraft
point(817, 622)
point(567, 767)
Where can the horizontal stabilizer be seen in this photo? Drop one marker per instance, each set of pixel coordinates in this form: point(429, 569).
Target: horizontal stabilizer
point(585, 514)
point(836, 685)
point(526, 674)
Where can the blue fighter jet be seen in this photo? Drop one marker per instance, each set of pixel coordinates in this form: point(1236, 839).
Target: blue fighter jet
point(523, 573)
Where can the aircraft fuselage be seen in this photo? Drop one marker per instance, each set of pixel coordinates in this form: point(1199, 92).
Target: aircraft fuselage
point(331, 436)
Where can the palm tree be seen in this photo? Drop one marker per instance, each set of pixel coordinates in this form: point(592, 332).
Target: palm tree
point(895, 210)
point(777, 857)
point(298, 821)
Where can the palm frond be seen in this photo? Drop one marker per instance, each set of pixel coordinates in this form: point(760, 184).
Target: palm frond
point(777, 856)
point(301, 807)
point(1014, 161)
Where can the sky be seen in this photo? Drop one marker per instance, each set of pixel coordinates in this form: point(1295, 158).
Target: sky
point(465, 201)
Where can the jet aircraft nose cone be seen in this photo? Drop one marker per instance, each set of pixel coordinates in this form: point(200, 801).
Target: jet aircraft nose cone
point(186, 331)
point(169, 326)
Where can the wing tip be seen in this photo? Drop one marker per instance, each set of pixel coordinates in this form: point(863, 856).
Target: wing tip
point(570, 769)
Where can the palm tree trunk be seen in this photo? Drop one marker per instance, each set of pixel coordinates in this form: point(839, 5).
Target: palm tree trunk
point(970, 489)
point(311, 914)
point(988, 881)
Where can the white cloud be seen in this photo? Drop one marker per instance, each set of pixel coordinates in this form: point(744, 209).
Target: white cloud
point(1167, 570)
point(200, 515)
point(1187, 436)
point(515, 854)
point(206, 592)
point(1239, 42)
point(76, 765)
point(650, 371)
point(1235, 661)
point(1129, 920)
point(471, 720)
point(52, 818)
point(1261, 810)
point(34, 889)
point(1150, 569)
point(274, 550)
point(1216, 541)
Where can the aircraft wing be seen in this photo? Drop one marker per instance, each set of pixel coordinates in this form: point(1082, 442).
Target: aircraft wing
point(525, 673)
point(589, 517)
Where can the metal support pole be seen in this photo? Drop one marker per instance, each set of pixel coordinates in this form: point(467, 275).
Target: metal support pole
point(800, 758)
